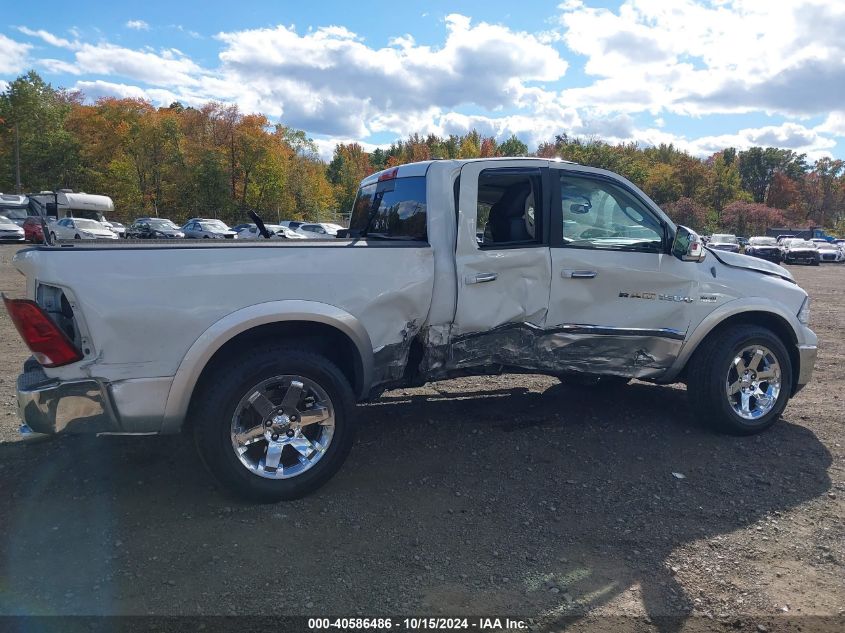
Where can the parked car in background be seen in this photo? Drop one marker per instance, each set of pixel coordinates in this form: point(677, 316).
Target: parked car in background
point(10, 231)
point(153, 229)
point(292, 224)
point(828, 252)
point(14, 208)
point(240, 227)
point(205, 228)
point(782, 238)
point(796, 250)
point(743, 241)
point(764, 248)
point(724, 242)
point(331, 227)
point(277, 231)
point(315, 232)
point(118, 228)
point(80, 229)
point(33, 228)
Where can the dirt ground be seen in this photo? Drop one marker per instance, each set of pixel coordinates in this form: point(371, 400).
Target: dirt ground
point(511, 495)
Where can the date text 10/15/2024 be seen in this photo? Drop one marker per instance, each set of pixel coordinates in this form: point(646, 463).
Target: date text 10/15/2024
point(418, 624)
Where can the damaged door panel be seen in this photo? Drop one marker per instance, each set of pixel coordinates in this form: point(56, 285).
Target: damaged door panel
point(619, 304)
point(503, 265)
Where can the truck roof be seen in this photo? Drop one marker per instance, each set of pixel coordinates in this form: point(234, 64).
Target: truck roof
point(409, 170)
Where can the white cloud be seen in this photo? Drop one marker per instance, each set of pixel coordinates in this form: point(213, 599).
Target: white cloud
point(137, 25)
point(699, 58)
point(786, 135)
point(168, 67)
point(687, 58)
point(833, 124)
point(49, 38)
point(325, 146)
point(331, 79)
point(13, 55)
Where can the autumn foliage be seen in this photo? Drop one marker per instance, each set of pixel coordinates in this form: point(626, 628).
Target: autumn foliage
point(214, 160)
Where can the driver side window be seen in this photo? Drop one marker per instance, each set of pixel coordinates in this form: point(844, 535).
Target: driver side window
point(599, 214)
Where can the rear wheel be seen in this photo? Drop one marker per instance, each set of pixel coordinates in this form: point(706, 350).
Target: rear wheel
point(740, 380)
point(275, 424)
point(52, 236)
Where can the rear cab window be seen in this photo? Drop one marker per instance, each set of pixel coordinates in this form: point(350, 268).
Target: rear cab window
point(391, 208)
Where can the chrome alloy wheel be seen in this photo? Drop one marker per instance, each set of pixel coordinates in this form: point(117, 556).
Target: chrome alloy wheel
point(282, 427)
point(754, 381)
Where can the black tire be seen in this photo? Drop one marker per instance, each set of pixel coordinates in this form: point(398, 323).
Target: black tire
point(815, 262)
point(707, 376)
point(218, 400)
point(52, 236)
point(76, 237)
point(594, 382)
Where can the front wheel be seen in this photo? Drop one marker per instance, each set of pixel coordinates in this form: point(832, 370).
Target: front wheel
point(740, 380)
point(275, 424)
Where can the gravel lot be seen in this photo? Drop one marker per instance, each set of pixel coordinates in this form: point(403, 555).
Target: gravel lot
point(511, 495)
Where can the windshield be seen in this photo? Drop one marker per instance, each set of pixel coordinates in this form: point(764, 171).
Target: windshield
point(214, 225)
point(162, 224)
point(763, 241)
point(16, 212)
point(725, 239)
point(801, 243)
point(82, 223)
point(5, 220)
point(90, 215)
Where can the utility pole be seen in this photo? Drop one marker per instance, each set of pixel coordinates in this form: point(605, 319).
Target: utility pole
point(18, 187)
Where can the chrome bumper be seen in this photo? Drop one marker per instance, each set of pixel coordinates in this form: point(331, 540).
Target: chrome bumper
point(48, 405)
point(807, 358)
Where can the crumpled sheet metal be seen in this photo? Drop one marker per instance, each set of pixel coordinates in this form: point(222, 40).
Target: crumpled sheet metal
point(390, 361)
point(558, 351)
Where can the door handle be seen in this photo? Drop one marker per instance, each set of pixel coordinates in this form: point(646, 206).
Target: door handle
point(481, 278)
point(578, 274)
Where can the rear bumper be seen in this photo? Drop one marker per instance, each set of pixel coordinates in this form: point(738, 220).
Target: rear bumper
point(53, 406)
point(91, 405)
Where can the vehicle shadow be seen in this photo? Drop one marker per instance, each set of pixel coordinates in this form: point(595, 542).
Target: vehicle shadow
point(497, 501)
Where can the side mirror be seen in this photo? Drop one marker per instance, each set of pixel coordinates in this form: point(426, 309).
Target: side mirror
point(688, 246)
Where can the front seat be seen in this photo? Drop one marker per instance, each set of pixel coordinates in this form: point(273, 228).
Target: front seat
point(507, 218)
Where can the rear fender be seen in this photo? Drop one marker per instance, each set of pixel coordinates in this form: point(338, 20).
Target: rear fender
point(210, 341)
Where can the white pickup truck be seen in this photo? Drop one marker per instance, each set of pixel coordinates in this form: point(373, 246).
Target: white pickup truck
point(453, 267)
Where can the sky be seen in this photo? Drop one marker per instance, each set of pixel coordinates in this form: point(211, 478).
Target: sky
point(702, 74)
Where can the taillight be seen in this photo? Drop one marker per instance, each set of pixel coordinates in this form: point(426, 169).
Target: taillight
point(50, 346)
point(389, 175)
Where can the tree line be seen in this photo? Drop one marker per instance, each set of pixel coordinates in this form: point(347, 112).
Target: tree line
point(217, 161)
